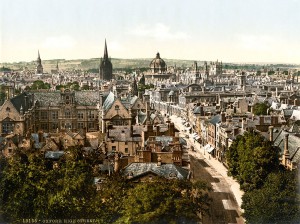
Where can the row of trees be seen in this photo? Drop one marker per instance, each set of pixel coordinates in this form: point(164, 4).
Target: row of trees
point(30, 187)
point(271, 194)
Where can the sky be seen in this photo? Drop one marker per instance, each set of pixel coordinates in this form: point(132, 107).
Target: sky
point(249, 31)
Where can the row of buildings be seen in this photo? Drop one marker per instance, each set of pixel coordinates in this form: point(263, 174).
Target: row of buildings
point(130, 127)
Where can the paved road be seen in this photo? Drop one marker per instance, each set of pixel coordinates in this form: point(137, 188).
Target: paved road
point(224, 208)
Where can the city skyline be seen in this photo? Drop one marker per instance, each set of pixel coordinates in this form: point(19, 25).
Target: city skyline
point(231, 31)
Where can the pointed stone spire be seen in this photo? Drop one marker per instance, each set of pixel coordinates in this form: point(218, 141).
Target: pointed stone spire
point(57, 66)
point(105, 51)
point(39, 61)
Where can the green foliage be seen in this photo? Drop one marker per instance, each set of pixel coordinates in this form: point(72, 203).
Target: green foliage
point(142, 87)
point(276, 202)
point(165, 201)
point(70, 85)
point(5, 69)
point(250, 159)
point(142, 80)
point(260, 109)
point(31, 187)
point(39, 84)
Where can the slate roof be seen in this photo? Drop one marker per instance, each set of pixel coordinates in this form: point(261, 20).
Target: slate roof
point(122, 133)
point(108, 102)
point(87, 98)
point(52, 98)
point(141, 117)
point(54, 154)
point(167, 171)
point(293, 144)
point(216, 119)
point(19, 101)
point(47, 98)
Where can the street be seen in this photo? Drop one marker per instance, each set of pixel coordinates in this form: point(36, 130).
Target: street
point(226, 195)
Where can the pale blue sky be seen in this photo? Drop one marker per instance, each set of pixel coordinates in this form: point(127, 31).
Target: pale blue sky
point(228, 30)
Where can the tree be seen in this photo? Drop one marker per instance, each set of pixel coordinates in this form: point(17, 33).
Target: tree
point(276, 202)
point(165, 201)
point(31, 188)
point(251, 158)
point(39, 84)
point(260, 109)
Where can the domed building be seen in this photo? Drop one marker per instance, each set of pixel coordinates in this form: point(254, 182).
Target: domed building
point(158, 65)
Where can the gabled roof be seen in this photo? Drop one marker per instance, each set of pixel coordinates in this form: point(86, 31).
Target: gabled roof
point(110, 99)
point(167, 171)
point(19, 101)
point(293, 144)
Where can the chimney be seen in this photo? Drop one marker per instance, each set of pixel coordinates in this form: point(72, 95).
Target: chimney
point(117, 163)
point(41, 137)
point(271, 139)
point(223, 118)
point(172, 129)
point(286, 144)
point(286, 153)
point(201, 111)
point(158, 160)
point(157, 130)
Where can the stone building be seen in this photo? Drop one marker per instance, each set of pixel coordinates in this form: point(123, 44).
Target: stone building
point(50, 111)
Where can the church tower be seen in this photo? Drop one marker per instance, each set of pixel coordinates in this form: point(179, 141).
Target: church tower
point(105, 66)
point(39, 67)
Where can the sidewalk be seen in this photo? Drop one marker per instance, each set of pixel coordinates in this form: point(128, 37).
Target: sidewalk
point(219, 167)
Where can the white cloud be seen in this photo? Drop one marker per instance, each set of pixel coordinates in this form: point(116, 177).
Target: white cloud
point(158, 31)
point(59, 42)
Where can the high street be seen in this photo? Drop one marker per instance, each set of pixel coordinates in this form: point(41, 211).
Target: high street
point(226, 195)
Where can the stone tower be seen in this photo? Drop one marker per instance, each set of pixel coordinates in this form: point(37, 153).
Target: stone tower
point(105, 66)
point(39, 67)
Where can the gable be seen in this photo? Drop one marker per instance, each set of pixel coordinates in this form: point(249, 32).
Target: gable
point(117, 108)
point(8, 111)
point(138, 105)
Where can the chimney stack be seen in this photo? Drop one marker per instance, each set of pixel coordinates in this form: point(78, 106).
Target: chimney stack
point(286, 153)
point(223, 118)
point(271, 128)
point(158, 160)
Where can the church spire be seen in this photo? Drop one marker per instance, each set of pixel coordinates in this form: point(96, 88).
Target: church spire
point(39, 61)
point(105, 51)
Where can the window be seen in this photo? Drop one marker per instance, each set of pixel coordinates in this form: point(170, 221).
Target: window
point(44, 115)
point(91, 125)
point(91, 115)
point(44, 126)
point(54, 126)
point(7, 127)
point(68, 125)
point(126, 150)
point(126, 143)
point(113, 148)
point(80, 125)
point(67, 114)
point(55, 115)
point(80, 115)
point(7, 109)
point(117, 107)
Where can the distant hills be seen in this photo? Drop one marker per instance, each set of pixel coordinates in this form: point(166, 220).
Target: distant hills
point(118, 64)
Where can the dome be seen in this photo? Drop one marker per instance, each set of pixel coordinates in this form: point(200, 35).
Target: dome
point(158, 65)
